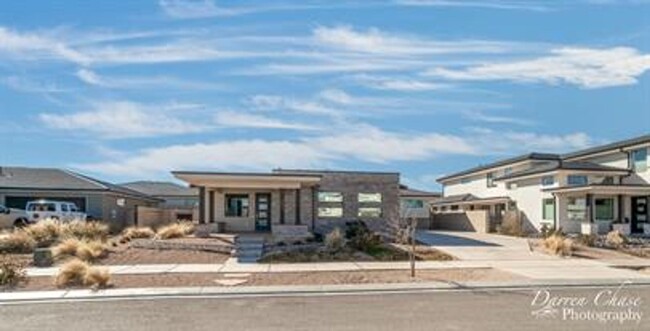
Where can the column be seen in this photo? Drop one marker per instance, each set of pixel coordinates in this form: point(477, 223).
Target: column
point(590, 206)
point(211, 206)
point(202, 205)
point(298, 221)
point(281, 206)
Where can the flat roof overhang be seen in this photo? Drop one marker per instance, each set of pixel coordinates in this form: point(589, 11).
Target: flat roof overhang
point(486, 201)
point(602, 189)
point(247, 180)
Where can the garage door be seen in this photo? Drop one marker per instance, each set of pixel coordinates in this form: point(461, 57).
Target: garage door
point(19, 202)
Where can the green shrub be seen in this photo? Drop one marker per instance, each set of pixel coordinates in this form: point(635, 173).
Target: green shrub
point(360, 237)
point(12, 271)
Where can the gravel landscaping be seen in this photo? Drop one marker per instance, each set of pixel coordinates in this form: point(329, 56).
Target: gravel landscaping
point(303, 278)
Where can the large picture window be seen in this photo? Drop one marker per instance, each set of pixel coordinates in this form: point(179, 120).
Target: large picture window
point(577, 180)
point(237, 205)
point(330, 197)
point(412, 203)
point(548, 180)
point(604, 209)
point(330, 212)
point(369, 197)
point(548, 209)
point(490, 179)
point(639, 159)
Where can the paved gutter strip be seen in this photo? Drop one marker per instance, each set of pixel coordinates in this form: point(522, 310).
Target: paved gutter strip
point(350, 289)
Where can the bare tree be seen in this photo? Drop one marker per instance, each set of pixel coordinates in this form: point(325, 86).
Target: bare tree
point(406, 235)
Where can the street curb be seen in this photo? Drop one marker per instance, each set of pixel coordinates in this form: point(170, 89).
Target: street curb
point(8, 298)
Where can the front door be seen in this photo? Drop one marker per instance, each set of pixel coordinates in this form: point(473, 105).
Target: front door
point(639, 213)
point(262, 212)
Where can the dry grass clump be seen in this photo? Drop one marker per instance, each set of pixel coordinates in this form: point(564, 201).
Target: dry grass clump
point(45, 232)
point(84, 250)
point(80, 273)
point(176, 230)
point(12, 271)
point(133, 232)
point(335, 241)
point(18, 242)
point(85, 230)
point(557, 244)
point(615, 239)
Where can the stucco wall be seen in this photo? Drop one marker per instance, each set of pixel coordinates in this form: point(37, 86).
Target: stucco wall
point(476, 221)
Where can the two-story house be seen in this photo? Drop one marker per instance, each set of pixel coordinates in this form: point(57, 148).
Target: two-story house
point(594, 187)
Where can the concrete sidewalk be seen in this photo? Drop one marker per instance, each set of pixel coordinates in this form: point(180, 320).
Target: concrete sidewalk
point(7, 298)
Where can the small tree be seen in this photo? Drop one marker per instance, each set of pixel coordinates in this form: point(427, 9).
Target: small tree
point(408, 225)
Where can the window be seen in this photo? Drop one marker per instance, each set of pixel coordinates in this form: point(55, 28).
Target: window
point(369, 197)
point(608, 180)
point(577, 209)
point(41, 207)
point(330, 212)
point(454, 207)
point(64, 207)
point(639, 159)
point(490, 179)
point(507, 171)
point(369, 212)
point(330, 197)
point(577, 180)
point(604, 209)
point(548, 209)
point(237, 205)
point(412, 203)
point(548, 180)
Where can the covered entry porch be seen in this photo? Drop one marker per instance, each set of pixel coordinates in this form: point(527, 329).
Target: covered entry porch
point(600, 208)
point(255, 202)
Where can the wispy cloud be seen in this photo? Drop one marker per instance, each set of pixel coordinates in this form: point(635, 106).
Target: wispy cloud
point(398, 83)
point(481, 116)
point(233, 119)
point(124, 119)
point(485, 4)
point(584, 67)
point(130, 82)
point(31, 46)
point(365, 143)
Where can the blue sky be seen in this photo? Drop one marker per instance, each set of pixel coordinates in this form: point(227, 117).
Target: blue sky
point(127, 90)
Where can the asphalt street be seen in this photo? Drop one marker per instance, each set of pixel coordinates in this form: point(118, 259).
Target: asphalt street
point(528, 309)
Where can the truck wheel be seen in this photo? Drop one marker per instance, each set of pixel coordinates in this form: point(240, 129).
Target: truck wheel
point(20, 223)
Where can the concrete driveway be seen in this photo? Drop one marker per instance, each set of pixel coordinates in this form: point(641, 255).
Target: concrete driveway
point(471, 246)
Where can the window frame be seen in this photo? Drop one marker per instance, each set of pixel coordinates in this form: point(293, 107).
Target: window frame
point(321, 208)
point(322, 194)
point(568, 180)
point(635, 159)
point(407, 203)
point(546, 184)
point(367, 194)
point(379, 215)
point(546, 217)
point(611, 212)
point(489, 180)
point(228, 197)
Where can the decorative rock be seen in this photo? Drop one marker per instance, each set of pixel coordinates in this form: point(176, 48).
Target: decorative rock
point(43, 257)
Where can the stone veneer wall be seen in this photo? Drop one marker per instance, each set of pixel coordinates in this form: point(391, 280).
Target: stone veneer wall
point(350, 184)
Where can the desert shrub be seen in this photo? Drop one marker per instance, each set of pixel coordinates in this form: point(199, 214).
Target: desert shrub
point(615, 239)
point(12, 271)
point(97, 277)
point(588, 240)
point(137, 233)
point(45, 233)
point(85, 230)
point(360, 237)
point(176, 230)
point(18, 242)
point(84, 250)
point(559, 245)
point(334, 241)
point(72, 273)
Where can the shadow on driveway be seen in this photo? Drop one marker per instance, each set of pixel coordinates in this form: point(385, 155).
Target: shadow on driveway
point(446, 239)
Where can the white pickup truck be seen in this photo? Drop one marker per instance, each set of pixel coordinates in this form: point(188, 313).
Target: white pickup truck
point(55, 210)
point(10, 217)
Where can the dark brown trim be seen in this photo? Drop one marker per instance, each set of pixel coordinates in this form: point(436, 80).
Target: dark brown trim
point(620, 208)
point(298, 220)
point(211, 206)
point(590, 206)
point(281, 206)
point(202, 205)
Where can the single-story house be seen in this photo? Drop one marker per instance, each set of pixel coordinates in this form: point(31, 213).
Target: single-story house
point(287, 202)
point(98, 199)
point(179, 202)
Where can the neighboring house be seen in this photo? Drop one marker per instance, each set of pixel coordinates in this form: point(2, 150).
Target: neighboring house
point(597, 186)
point(100, 200)
point(295, 201)
point(417, 204)
point(181, 202)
